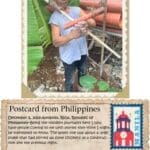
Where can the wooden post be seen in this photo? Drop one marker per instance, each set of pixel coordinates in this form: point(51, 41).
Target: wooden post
point(104, 4)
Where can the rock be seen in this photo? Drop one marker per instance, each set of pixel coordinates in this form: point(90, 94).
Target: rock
point(117, 72)
point(107, 72)
point(33, 84)
point(39, 90)
point(53, 89)
point(90, 69)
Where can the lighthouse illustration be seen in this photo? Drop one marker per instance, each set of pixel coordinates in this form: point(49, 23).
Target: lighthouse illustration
point(123, 136)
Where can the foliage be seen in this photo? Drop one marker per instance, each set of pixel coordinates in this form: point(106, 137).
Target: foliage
point(35, 54)
point(38, 32)
point(74, 2)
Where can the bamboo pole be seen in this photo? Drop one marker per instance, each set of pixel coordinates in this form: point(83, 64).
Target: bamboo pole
point(89, 33)
point(104, 3)
point(103, 44)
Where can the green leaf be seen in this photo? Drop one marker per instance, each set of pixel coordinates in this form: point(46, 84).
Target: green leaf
point(74, 2)
point(42, 24)
point(35, 54)
point(33, 31)
point(36, 21)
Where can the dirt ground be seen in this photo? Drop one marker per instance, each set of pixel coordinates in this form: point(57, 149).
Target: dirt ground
point(49, 76)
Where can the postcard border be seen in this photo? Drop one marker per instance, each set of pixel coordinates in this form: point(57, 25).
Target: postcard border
point(25, 91)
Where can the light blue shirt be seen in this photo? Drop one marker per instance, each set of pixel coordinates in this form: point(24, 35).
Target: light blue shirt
point(72, 50)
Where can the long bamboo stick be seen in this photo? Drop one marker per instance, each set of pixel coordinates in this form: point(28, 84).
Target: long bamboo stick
point(89, 33)
point(104, 2)
point(105, 45)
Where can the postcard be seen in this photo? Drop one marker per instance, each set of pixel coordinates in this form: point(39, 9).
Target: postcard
point(64, 123)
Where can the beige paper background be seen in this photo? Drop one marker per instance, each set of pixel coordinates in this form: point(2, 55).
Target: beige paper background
point(76, 145)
